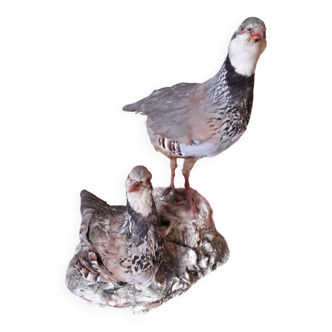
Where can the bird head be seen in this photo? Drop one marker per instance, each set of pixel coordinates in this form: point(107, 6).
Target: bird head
point(139, 189)
point(138, 180)
point(246, 46)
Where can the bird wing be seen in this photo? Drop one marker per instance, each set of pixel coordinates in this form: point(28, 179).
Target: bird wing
point(98, 221)
point(176, 113)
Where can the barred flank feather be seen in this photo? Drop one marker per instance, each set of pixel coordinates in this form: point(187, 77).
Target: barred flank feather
point(213, 114)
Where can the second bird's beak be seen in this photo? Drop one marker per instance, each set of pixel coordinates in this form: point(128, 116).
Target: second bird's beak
point(133, 187)
point(257, 34)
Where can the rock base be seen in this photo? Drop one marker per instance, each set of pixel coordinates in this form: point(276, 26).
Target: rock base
point(193, 248)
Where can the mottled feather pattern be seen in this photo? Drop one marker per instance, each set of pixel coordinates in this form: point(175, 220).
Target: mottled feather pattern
point(231, 98)
point(91, 267)
point(135, 227)
point(182, 117)
point(118, 244)
point(191, 120)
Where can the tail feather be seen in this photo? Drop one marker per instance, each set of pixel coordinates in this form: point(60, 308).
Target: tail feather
point(90, 201)
point(133, 108)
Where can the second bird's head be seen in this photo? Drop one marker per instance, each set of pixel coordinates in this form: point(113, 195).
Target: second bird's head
point(138, 182)
point(139, 190)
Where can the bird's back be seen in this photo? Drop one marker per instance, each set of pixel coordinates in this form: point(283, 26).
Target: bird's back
point(174, 112)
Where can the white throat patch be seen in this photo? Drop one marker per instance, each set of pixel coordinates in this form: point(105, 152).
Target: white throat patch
point(141, 201)
point(244, 54)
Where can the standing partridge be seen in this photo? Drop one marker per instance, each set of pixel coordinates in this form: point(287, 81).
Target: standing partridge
point(192, 120)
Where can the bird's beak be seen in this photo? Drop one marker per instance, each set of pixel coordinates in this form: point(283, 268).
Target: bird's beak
point(257, 34)
point(133, 187)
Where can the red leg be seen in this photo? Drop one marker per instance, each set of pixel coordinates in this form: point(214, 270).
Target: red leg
point(190, 199)
point(171, 187)
point(187, 167)
point(173, 166)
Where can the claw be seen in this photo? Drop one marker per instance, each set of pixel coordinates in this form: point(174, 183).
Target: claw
point(170, 190)
point(167, 191)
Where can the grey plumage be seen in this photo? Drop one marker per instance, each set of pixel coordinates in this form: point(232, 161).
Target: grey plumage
point(191, 120)
point(119, 243)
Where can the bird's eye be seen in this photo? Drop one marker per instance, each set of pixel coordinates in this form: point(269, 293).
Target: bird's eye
point(148, 180)
point(242, 28)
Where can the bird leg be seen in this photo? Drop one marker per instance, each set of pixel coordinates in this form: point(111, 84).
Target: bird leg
point(171, 188)
point(187, 167)
point(173, 168)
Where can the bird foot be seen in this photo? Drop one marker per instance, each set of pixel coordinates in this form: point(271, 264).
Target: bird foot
point(170, 191)
point(191, 203)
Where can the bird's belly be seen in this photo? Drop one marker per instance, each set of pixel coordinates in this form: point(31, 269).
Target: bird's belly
point(196, 149)
point(205, 149)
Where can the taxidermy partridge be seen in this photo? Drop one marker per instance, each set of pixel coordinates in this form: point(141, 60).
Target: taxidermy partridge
point(121, 243)
point(192, 120)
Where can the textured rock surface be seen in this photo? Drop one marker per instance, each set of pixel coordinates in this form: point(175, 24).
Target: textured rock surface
point(193, 248)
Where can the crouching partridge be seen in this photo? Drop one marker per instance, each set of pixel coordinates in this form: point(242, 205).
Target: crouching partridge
point(191, 120)
point(121, 243)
